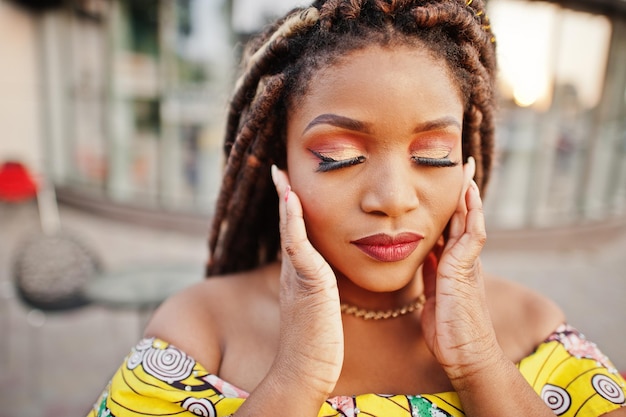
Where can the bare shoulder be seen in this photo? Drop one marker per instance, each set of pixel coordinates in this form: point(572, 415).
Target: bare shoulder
point(620, 412)
point(197, 319)
point(522, 317)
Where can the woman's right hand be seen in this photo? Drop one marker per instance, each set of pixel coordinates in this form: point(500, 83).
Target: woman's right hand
point(310, 354)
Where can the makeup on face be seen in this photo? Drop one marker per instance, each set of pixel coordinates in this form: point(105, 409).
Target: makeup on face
point(337, 142)
point(374, 154)
point(328, 164)
point(389, 248)
point(434, 149)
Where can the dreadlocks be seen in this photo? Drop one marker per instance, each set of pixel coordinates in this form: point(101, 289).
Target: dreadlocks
point(277, 68)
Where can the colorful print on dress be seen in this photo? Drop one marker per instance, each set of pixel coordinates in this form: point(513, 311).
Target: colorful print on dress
point(157, 379)
point(577, 345)
point(572, 376)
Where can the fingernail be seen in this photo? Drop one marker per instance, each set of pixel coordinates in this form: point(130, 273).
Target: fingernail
point(274, 170)
point(473, 161)
point(287, 191)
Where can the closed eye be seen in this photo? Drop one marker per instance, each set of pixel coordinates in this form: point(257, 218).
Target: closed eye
point(434, 162)
point(327, 163)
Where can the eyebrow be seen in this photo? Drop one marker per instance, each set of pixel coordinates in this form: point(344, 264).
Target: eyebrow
point(359, 126)
point(444, 122)
point(338, 121)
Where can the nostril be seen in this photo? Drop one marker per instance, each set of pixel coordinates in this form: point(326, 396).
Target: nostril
point(389, 202)
point(377, 213)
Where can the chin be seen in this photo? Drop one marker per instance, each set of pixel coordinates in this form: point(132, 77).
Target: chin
point(381, 278)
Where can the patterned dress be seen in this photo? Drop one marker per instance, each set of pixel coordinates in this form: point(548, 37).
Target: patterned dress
point(569, 373)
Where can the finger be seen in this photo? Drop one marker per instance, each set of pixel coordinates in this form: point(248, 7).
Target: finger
point(429, 274)
point(292, 228)
point(283, 189)
point(475, 217)
point(470, 244)
point(294, 241)
point(458, 220)
point(429, 268)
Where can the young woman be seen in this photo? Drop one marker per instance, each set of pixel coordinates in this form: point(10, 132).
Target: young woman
point(359, 290)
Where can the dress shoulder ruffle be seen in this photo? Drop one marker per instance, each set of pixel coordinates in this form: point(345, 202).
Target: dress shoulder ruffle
point(569, 372)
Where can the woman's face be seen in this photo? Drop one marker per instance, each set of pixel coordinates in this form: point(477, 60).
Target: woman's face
point(374, 153)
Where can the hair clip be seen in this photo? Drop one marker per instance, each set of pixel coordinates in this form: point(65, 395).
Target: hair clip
point(480, 15)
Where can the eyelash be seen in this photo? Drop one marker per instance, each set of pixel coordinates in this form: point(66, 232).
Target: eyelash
point(328, 164)
point(434, 162)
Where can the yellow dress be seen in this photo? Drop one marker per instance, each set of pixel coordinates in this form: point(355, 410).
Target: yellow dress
point(156, 379)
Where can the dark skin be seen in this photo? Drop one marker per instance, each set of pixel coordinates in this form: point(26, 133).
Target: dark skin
point(237, 329)
point(277, 331)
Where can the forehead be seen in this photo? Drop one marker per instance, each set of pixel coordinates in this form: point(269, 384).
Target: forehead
point(380, 80)
point(345, 54)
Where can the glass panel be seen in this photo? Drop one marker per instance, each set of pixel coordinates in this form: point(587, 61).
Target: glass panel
point(87, 87)
point(148, 84)
point(604, 185)
point(196, 67)
point(249, 16)
point(134, 102)
point(549, 108)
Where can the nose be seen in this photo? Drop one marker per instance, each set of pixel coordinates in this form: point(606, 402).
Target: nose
point(391, 190)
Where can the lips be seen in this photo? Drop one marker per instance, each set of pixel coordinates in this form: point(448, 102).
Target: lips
point(386, 248)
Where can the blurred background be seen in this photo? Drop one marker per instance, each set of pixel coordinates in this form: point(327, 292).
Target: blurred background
point(111, 117)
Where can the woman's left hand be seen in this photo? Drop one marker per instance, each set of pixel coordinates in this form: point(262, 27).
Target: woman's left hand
point(455, 319)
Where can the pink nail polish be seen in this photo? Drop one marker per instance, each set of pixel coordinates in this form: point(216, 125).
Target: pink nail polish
point(287, 193)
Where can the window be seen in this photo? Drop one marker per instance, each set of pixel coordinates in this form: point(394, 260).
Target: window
point(554, 148)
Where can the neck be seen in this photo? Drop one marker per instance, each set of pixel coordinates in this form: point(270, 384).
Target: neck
point(363, 298)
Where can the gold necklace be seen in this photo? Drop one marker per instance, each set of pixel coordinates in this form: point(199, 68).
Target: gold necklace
point(380, 314)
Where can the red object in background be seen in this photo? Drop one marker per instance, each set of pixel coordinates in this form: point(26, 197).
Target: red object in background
point(16, 183)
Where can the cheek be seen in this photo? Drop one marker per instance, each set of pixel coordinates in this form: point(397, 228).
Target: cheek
point(318, 219)
point(327, 209)
point(321, 205)
point(444, 195)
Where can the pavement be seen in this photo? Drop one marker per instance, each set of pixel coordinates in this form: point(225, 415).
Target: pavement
point(56, 363)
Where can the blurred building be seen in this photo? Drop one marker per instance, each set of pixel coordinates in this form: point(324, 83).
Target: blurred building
point(126, 101)
point(562, 127)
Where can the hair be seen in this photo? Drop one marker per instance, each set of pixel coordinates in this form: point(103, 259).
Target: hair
point(276, 68)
